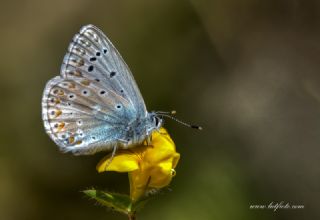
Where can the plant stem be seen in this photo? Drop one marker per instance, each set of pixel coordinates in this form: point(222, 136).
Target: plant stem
point(132, 216)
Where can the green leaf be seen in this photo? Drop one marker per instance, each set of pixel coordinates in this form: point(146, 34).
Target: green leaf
point(119, 202)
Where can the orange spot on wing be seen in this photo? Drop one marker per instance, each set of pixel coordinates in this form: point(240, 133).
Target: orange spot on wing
point(60, 93)
point(75, 73)
point(85, 82)
point(58, 113)
point(71, 139)
point(61, 126)
point(72, 86)
point(76, 62)
point(80, 51)
point(56, 101)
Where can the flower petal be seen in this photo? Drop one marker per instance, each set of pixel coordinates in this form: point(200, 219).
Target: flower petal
point(122, 162)
point(176, 158)
point(161, 175)
point(148, 166)
point(162, 148)
point(156, 165)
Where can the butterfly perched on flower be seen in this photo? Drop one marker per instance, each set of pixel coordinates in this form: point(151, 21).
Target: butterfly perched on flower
point(95, 104)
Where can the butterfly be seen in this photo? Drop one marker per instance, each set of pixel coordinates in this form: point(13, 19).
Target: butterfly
point(95, 104)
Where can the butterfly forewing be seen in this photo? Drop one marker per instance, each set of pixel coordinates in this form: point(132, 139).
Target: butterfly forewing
point(92, 55)
point(87, 108)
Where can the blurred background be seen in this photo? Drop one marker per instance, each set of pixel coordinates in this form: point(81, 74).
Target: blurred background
point(247, 71)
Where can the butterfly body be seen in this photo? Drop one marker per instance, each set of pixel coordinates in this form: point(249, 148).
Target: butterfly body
point(95, 104)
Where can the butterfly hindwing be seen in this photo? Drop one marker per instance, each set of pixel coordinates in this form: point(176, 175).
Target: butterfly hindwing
point(83, 117)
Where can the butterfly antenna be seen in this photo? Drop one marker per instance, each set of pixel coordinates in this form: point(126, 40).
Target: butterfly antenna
point(169, 115)
point(173, 112)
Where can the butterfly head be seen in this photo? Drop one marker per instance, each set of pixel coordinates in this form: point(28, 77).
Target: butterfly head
point(141, 128)
point(154, 122)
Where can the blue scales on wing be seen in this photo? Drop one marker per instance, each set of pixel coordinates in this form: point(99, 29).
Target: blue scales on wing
point(87, 108)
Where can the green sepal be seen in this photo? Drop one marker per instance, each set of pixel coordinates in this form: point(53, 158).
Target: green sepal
point(118, 202)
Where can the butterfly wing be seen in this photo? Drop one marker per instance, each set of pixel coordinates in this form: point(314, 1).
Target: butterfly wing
point(87, 108)
point(92, 55)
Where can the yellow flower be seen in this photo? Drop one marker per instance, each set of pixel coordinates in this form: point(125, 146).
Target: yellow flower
point(148, 166)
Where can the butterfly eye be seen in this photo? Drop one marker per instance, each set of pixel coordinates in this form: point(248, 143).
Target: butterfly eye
point(156, 121)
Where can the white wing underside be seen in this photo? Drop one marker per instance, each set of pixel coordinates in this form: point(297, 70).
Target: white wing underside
point(87, 108)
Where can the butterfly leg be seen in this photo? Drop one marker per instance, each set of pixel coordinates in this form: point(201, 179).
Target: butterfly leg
point(149, 140)
point(111, 157)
